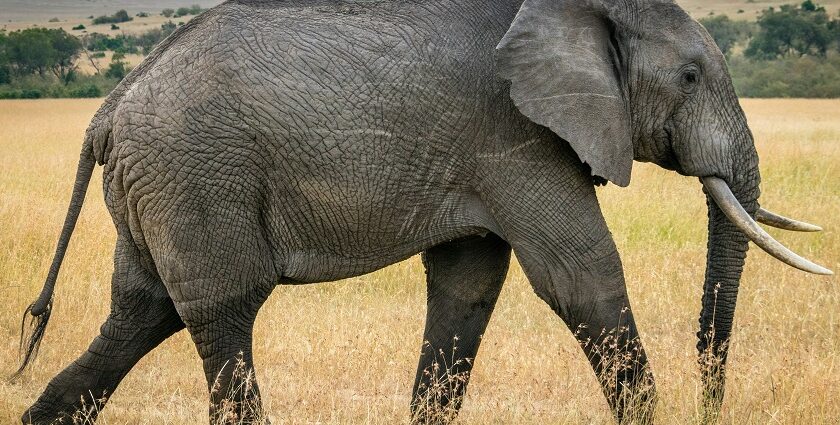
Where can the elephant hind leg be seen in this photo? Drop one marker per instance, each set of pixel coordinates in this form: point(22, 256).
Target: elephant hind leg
point(464, 279)
point(222, 330)
point(142, 316)
point(219, 273)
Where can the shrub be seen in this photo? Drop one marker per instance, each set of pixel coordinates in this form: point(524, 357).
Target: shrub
point(167, 12)
point(20, 94)
point(810, 77)
point(120, 16)
point(184, 11)
point(33, 87)
point(116, 70)
point(78, 27)
point(85, 91)
point(30, 94)
point(114, 27)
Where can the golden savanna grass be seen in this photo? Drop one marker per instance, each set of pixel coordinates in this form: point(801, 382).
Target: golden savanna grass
point(346, 352)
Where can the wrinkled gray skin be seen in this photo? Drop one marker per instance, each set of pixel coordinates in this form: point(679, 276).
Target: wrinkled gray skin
point(272, 142)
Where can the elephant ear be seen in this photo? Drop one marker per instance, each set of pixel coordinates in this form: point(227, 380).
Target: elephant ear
point(565, 71)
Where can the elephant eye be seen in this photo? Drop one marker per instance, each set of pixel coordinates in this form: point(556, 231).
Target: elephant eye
point(689, 79)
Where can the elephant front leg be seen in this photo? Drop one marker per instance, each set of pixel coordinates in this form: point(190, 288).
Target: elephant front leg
point(543, 199)
point(590, 296)
point(464, 279)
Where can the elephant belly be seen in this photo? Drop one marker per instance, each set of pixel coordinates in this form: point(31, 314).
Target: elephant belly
point(334, 229)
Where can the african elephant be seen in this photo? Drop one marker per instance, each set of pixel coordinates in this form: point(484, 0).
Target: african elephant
point(294, 142)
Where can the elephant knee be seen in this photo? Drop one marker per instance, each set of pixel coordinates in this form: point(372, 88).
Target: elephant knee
point(584, 293)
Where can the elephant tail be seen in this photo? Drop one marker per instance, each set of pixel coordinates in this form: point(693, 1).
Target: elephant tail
point(32, 330)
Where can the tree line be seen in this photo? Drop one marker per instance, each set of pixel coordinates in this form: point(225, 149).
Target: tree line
point(790, 51)
point(791, 30)
point(41, 62)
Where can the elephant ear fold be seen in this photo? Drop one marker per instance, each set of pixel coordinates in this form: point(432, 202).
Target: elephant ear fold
point(565, 71)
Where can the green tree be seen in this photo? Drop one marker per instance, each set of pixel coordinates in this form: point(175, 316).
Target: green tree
point(66, 50)
point(41, 50)
point(791, 30)
point(726, 32)
point(116, 70)
point(30, 51)
point(5, 66)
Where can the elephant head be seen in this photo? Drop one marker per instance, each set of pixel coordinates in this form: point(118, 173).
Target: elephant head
point(641, 80)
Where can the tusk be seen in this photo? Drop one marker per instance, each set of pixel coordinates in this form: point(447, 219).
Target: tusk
point(772, 219)
point(733, 210)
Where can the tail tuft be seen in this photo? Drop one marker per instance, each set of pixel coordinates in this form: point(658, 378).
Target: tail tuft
point(31, 335)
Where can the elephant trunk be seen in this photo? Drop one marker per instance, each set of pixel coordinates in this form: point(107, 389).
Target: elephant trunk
point(727, 249)
point(733, 211)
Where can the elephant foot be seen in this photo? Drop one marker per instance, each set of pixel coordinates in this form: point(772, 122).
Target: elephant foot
point(45, 412)
point(68, 399)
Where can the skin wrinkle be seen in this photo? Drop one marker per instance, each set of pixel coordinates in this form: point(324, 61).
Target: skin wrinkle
point(270, 143)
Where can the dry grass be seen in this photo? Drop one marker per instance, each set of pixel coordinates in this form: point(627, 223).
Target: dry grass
point(346, 352)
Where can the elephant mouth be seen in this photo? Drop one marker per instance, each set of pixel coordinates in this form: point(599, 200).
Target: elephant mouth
point(667, 157)
point(722, 195)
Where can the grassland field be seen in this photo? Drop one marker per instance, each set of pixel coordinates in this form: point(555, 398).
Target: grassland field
point(346, 352)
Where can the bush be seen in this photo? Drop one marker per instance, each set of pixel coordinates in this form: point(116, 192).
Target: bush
point(184, 11)
point(167, 12)
point(30, 94)
point(86, 91)
point(78, 27)
point(5, 75)
point(114, 27)
point(55, 20)
point(21, 94)
point(806, 76)
point(34, 87)
point(168, 27)
point(119, 17)
point(116, 70)
point(142, 15)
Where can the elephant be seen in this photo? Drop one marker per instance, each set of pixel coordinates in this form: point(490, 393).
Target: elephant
point(272, 143)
